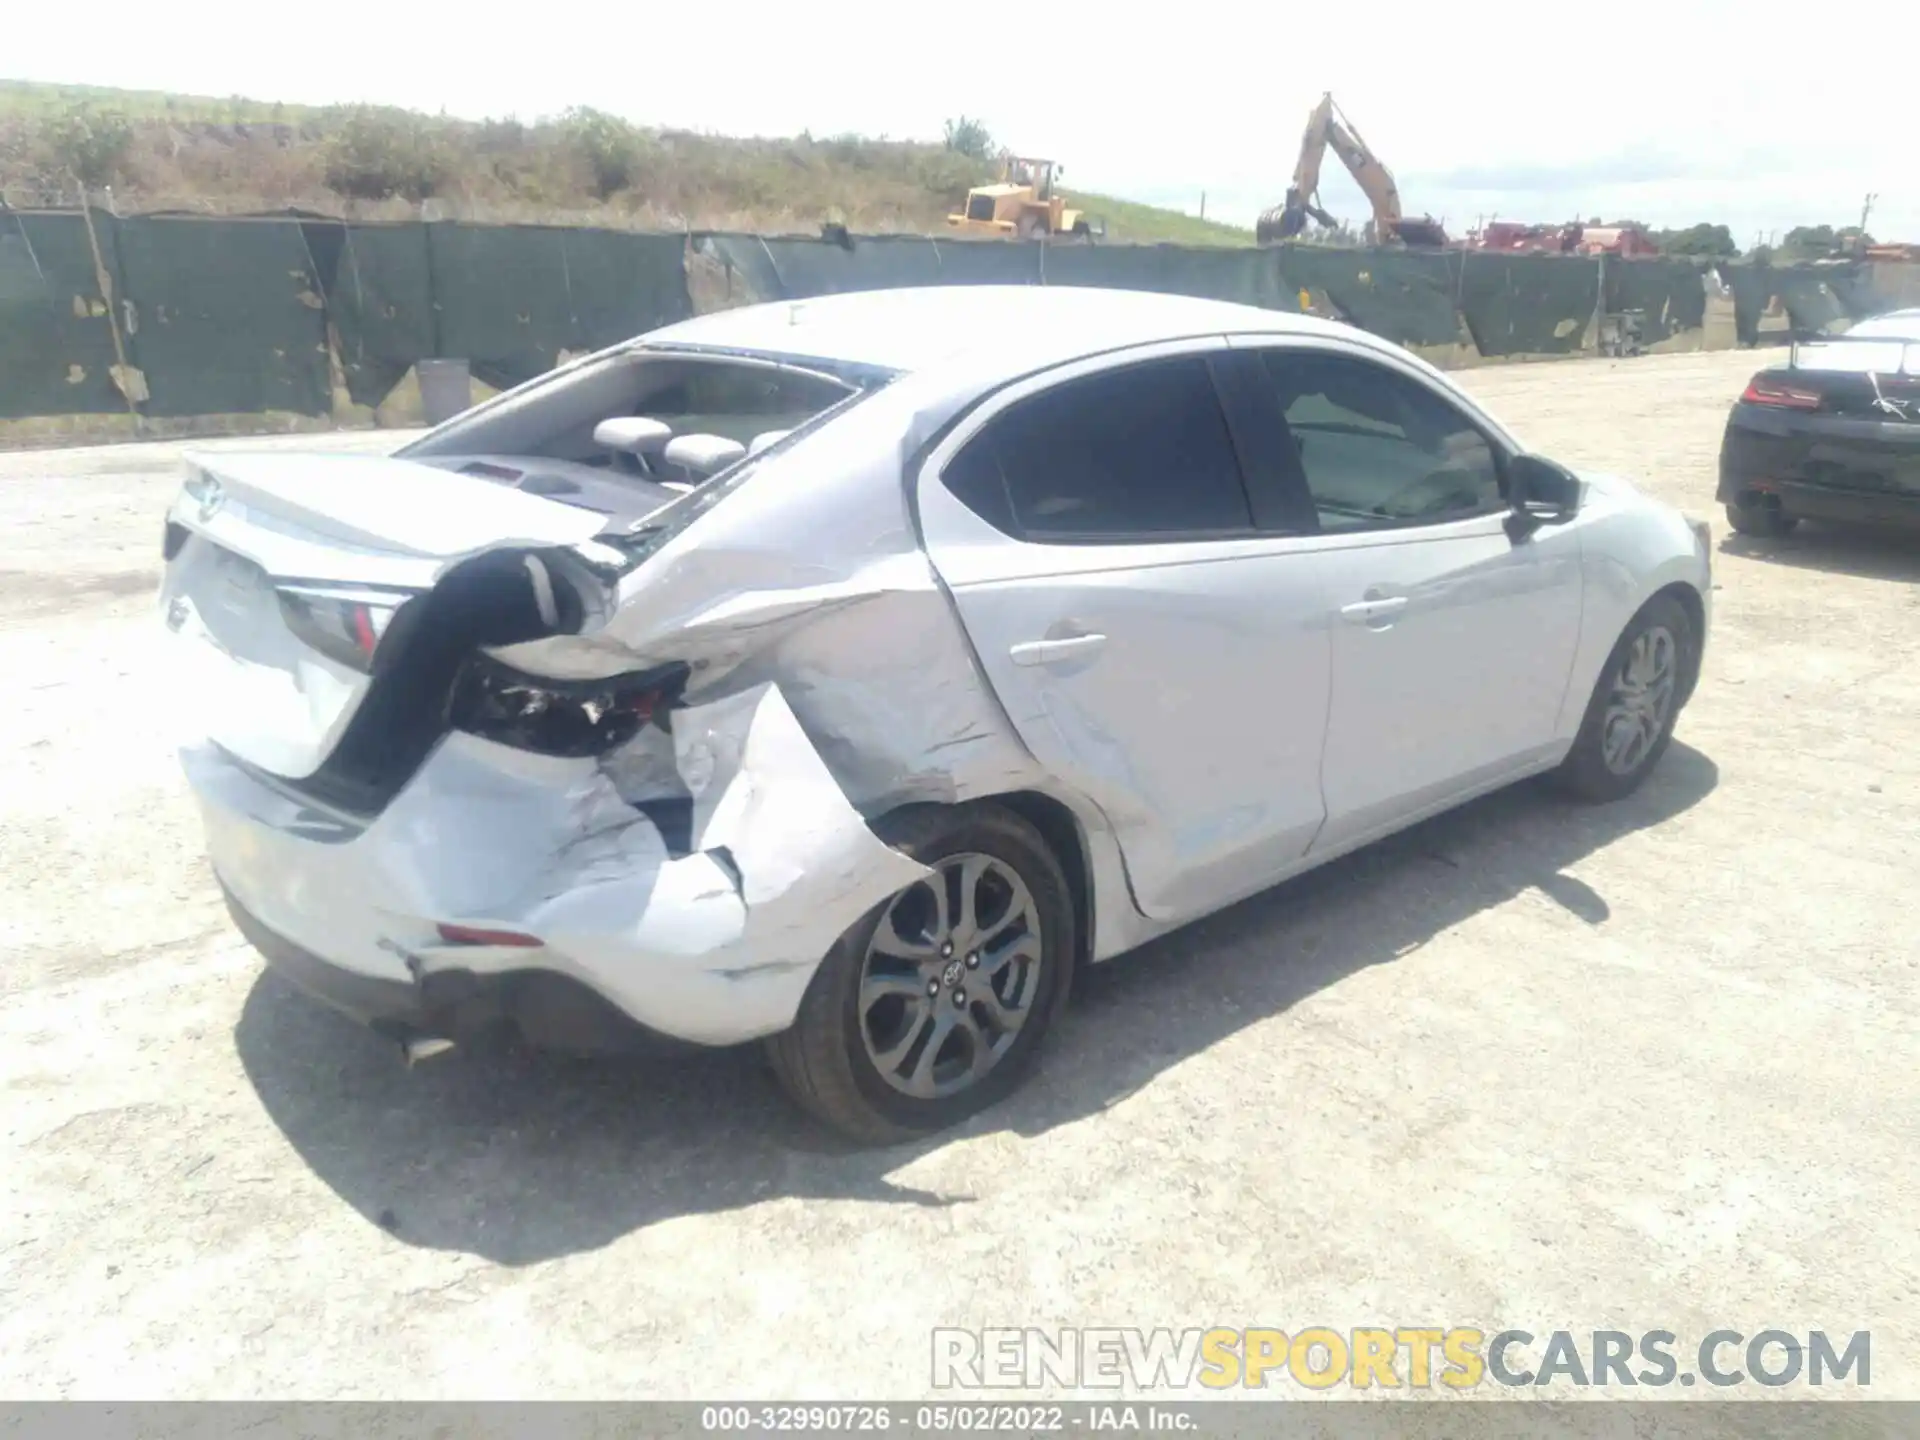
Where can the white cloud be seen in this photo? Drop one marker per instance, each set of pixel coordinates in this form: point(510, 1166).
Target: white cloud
point(1758, 118)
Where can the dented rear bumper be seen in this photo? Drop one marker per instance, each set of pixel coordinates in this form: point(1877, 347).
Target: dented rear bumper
point(541, 1007)
point(712, 942)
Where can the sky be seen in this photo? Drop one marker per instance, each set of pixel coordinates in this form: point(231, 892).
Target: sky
point(1754, 116)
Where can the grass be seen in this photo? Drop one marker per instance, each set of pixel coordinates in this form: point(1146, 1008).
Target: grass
point(33, 98)
point(155, 150)
point(1133, 223)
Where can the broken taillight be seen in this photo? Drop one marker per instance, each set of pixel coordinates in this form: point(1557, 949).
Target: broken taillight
point(473, 935)
point(568, 718)
point(1780, 394)
point(342, 624)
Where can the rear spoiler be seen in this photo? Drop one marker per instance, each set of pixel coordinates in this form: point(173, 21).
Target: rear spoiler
point(1798, 337)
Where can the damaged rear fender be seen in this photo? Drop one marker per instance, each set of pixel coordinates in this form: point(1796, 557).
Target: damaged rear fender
point(719, 944)
point(713, 942)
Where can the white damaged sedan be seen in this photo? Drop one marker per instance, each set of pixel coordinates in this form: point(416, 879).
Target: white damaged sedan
point(846, 674)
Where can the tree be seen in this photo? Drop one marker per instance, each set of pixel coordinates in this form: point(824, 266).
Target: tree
point(614, 151)
point(969, 137)
point(92, 146)
point(1714, 241)
point(1807, 242)
point(376, 153)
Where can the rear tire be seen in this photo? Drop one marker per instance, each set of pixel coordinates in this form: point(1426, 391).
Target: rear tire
point(911, 1028)
point(1630, 717)
point(1767, 521)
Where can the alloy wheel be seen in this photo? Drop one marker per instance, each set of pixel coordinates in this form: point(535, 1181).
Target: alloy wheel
point(950, 976)
point(1640, 702)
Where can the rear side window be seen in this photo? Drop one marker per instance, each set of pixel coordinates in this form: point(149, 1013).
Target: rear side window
point(1378, 449)
point(1141, 453)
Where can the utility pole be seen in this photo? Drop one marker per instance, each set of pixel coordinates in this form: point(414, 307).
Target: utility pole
point(1866, 210)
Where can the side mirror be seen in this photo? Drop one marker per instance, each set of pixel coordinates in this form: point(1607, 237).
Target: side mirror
point(1542, 491)
point(703, 454)
point(632, 434)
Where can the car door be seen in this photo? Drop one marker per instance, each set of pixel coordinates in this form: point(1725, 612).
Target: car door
point(1453, 632)
point(1159, 640)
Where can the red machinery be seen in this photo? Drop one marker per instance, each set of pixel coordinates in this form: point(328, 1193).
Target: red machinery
point(1628, 240)
point(1511, 237)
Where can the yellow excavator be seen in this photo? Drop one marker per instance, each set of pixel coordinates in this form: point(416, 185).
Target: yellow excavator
point(1328, 127)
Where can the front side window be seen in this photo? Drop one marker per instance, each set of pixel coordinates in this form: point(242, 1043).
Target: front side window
point(1136, 454)
point(1378, 449)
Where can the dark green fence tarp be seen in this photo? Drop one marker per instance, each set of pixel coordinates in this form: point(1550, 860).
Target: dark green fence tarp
point(1752, 287)
point(325, 240)
point(56, 344)
point(1245, 276)
point(790, 268)
point(1528, 304)
point(989, 262)
point(1853, 288)
point(227, 316)
point(1671, 294)
point(510, 298)
point(1808, 296)
point(381, 303)
point(1813, 295)
point(1404, 296)
point(231, 315)
point(747, 263)
point(621, 285)
point(502, 298)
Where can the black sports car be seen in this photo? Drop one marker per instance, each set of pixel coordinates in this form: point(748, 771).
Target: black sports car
point(1833, 434)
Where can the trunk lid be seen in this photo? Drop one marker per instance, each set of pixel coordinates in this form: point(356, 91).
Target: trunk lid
point(364, 517)
point(292, 578)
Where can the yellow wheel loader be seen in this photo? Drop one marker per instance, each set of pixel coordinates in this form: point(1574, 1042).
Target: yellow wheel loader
point(1023, 205)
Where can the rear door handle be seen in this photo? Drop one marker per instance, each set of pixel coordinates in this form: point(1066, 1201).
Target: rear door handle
point(1054, 652)
point(1373, 612)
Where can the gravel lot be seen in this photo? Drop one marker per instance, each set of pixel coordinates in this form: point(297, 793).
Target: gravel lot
point(1649, 1066)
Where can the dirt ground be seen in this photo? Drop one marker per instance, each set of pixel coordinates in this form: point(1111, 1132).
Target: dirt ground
point(1531, 1065)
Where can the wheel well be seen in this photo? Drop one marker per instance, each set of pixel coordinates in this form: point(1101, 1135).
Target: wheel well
point(1690, 601)
point(1061, 831)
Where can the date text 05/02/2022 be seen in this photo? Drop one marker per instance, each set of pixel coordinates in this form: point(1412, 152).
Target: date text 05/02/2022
point(950, 1419)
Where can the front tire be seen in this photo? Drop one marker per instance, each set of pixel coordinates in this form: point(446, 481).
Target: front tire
point(1630, 718)
point(935, 1004)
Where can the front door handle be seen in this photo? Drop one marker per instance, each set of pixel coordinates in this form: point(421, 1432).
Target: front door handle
point(1375, 612)
point(1055, 652)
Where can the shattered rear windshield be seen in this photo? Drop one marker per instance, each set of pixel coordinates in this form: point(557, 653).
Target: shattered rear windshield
point(746, 390)
point(741, 402)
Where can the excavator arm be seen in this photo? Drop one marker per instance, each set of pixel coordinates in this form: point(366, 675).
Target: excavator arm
point(1288, 219)
point(1327, 128)
point(1305, 191)
point(1369, 174)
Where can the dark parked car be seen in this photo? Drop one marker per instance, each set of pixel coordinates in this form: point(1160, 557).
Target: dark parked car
point(1834, 434)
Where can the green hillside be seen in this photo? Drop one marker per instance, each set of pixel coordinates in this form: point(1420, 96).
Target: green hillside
point(162, 151)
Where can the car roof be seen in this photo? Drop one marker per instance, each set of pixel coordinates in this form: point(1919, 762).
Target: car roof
point(914, 330)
